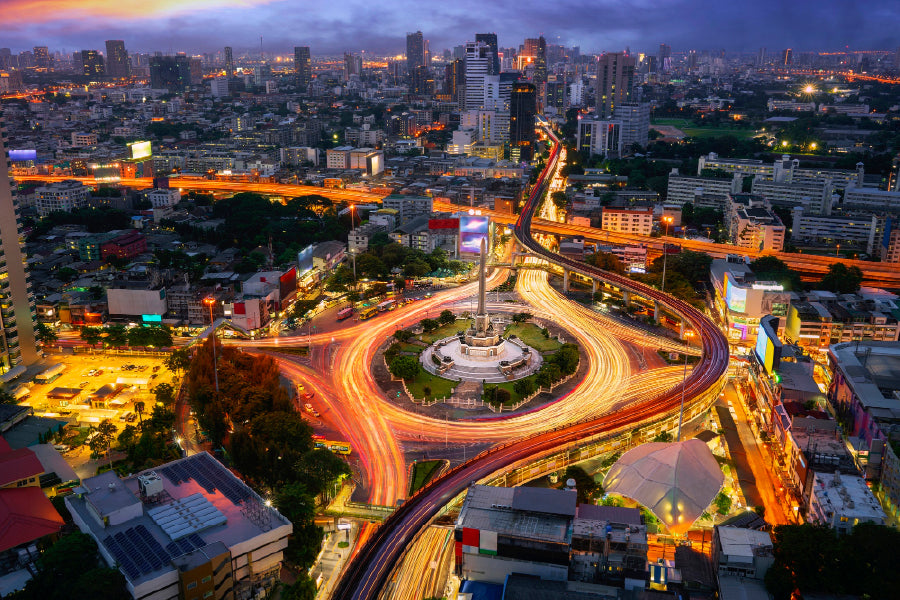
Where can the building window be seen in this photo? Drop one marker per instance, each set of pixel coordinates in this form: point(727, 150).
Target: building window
point(192, 585)
point(208, 594)
point(206, 579)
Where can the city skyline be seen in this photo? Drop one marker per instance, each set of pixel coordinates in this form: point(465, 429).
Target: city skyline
point(329, 28)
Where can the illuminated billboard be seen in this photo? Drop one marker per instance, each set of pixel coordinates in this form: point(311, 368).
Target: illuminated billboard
point(768, 346)
point(305, 259)
point(735, 297)
point(473, 229)
point(140, 150)
point(287, 284)
point(20, 155)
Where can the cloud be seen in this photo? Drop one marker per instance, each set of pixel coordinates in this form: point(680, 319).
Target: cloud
point(380, 27)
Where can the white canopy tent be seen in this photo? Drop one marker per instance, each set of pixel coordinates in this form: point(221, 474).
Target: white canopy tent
point(675, 481)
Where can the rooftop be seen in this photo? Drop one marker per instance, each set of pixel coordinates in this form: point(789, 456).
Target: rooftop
point(846, 495)
point(199, 502)
point(736, 541)
point(545, 515)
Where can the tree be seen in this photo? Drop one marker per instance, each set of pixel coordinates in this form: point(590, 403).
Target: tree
point(770, 268)
point(723, 503)
point(270, 446)
point(139, 409)
point(164, 393)
point(559, 199)
point(5, 396)
point(446, 317)
point(402, 335)
point(521, 317)
point(116, 335)
point(524, 387)
point(298, 506)
point(91, 335)
point(104, 435)
point(841, 279)
point(302, 589)
point(405, 367)
point(416, 268)
point(44, 333)
point(128, 437)
point(566, 358)
point(428, 325)
point(322, 469)
point(606, 261)
point(585, 485)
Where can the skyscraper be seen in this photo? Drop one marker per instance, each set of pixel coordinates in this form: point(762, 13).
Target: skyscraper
point(170, 72)
point(491, 40)
point(522, 105)
point(41, 57)
point(92, 63)
point(540, 62)
point(478, 64)
point(454, 79)
point(415, 52)
point(117, 65)
point(787, 57)
point(16, 302)
point(303, 66)
point(229, 62)
point(664, 58)
point(615, 81)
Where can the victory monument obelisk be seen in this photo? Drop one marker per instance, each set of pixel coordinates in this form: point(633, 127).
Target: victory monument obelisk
point(482, 333)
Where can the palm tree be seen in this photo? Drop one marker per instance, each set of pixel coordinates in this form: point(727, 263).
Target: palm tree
point(139, 409)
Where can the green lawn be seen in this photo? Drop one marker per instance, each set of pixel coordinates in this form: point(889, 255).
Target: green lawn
point(531, 335)
point(508, 386)
point(422, 472)
point(445, 331)
point(692, 130)
point(440, 387)
point(414, 348)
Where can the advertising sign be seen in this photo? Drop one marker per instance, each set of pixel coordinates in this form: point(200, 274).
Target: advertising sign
point(19, 155)
point(473, 229)
point(140, 150)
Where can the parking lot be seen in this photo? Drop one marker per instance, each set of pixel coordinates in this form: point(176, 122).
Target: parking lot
point(94, 387)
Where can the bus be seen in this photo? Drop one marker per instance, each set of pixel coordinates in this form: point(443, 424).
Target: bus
point(368, 312)
point(336, 447)
point(345, 313)
point(387, 305)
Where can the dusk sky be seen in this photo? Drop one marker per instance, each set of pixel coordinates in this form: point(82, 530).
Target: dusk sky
point(354, 25)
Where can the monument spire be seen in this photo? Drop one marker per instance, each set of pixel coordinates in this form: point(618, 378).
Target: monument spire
point(481, 286)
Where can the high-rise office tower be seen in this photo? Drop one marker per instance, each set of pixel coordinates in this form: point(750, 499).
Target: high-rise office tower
point(787, 57)
point(664, 58)
point(415, 52)
point(692, 60)
point(478, 65)
point(303, 66)
point(454, 79)
point(92, 63)
point(491, 40)
point(540, 61)
point(117, 64)
point(17, 341)
point(761, 57)
point(170, 72)
point(41, 57)
point(229, 61)
point(522, 106)
point(427, 50)
point(615, 81)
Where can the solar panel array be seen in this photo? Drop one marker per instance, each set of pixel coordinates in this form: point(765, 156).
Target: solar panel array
point(137, 551)
point(185, 545)
point(209, 474)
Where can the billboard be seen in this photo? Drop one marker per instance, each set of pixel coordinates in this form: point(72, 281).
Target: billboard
point(19, 155)
point(287, 284)
point(305, 259)
point(735, 297)
point(140, 150)
point(473, 229)
point(768, 346)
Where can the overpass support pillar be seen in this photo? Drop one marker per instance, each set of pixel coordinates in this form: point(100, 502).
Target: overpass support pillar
point(626, 298)
point(593, 288)
point(565, 280)
point(656, 311)
point(681, 329)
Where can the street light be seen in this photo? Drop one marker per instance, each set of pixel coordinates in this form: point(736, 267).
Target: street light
point(688, 335)
point(667, 221)
point(210, 302)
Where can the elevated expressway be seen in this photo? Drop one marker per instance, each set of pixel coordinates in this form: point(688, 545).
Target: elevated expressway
point(367, 575)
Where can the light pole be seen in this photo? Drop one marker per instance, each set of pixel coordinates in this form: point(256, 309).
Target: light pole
point(688, 335)
point(210, 302)
point(666, 220)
